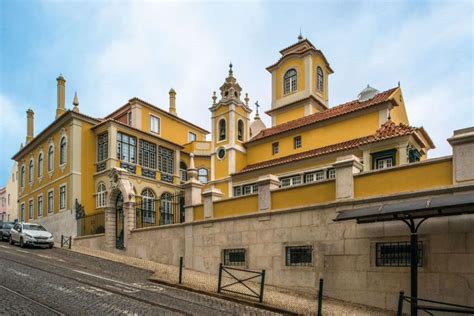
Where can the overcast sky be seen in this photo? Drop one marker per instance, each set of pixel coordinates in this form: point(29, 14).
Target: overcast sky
point(110, 52)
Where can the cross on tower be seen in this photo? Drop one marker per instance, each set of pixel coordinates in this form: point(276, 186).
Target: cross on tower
point(257, 105)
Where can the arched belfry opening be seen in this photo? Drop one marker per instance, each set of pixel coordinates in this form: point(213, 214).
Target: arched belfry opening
point(120, 213)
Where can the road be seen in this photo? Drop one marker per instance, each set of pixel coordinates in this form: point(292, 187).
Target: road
point(60, 282)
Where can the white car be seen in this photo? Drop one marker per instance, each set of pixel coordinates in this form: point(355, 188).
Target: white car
point(31, 234)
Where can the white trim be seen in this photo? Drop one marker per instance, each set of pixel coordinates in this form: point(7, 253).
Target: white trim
point(244, 131)
point(219, 130)
point(21, 218)
point(52, 206)
point(50, 171)
point(159, 124)
point(98, 195)
point(62, 165)
point(31, 177)
point(65, 196)
point(42, 205)
point(32, 200)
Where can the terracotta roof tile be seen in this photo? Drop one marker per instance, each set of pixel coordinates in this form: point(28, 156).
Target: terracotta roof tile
point(336, 111)
point(388, 130)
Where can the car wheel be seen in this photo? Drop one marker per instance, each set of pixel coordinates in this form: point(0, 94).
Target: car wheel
point(50, 246)
point(11, 241)
point(22, 244)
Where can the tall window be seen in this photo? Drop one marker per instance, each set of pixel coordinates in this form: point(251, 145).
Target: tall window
point(22, 212)
point(191, 137)
point(166, 209)
point(40, 206)
point(148, 206)
point(147, 154)
point(290, 82)
point(183, 171)
point(50, 158)
point(297, 142)
point(203, 175)
point(22, 176)
point(155, 124)
point(222, 129)
point(101, 192)
point(102, 146)
point(319, 79)
point(240, 130)
point(126, 148)
point(62, 151)
point(166, 160)
point(30, 171)
point(275, 148)
point(30, 209)
point(50, 201)
point(62, 197)
point(40, 165)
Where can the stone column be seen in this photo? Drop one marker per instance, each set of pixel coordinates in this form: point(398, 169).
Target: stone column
point(462, 142)
point(209, 196)
point(110, 227)
point(129, 220)
point(266, 184)
point(345, 167)
point(192, 191)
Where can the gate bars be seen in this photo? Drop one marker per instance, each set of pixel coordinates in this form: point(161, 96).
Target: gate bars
point(252, 275)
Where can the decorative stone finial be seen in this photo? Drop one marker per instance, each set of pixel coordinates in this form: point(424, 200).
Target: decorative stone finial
point(230, 69)
point(300, 37)
point(214, 97)
point(246, 99)
point(192, 172)
point(75, 102)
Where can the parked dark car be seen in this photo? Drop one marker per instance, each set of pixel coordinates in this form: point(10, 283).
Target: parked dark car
point(5, 228)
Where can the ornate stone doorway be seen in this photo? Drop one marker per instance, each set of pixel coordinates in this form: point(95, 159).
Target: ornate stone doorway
point(119, 222)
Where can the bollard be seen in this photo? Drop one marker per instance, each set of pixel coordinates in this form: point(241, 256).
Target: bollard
point(180, 281)
point(62, 240)
point(400, 303)
point(220, 277)
point(320, 298)
point(262, 285)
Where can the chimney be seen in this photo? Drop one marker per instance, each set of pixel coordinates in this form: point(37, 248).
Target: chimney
point(30, 127)
point(172, 109)
point(61, 96)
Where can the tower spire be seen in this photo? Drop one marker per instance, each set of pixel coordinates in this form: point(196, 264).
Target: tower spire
point(300, 37)
point(231, 72)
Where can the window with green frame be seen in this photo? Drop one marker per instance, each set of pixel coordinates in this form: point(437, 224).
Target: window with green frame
point(413, 155)
point(384, 159)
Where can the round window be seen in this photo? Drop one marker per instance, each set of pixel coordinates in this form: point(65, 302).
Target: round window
point(221, 153)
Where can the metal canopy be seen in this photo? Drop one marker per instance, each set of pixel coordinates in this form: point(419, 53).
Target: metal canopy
point(421, 208)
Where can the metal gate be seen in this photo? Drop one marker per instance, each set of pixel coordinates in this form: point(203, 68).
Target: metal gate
point(241, 282)
point(119, 222)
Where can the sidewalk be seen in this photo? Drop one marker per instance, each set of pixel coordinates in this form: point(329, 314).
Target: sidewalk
point(204, 282)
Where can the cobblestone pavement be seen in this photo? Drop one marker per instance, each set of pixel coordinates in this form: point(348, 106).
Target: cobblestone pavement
point(56, 281)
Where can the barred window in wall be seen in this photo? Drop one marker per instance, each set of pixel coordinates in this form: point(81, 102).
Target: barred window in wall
point(166, 160)
point(234, 257)
point(30, 209)
point(396, 254)
point(126, 148)
point(62, 151)
point(148, 206)
point(290, 181)
point(50, 202)
point(62, 197)
point(203, 175)
point(102, 146)
point(101, 193)
point(147, 154)
point(314, 176)
point(40, 206)
point(299, 256)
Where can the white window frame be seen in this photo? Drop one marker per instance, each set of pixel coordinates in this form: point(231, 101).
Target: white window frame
point(148, 215)
point(101, 195)
point(31, 171)
point(40, 165)
point(384, 163)
point(61, 164)
point(50, 170)
point(297, 142)
point(292, 82)
point(31, 210)
point(291, 181)
point(40, 210)
point(152, 117)
point(207, 175)
point(192, 138)
point(275, 148)
point(315, 176)
point(22, 212)
point(63, 207)
point(51, 206)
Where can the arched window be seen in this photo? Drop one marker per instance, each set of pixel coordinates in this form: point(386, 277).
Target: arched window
point(240, 130)
point(166, 209)
point(319, 79)
point(30, 171)
point(101, 195)
point(62, 151)
point(22, 176)
point(40, 165)
point(50, 158)
point(203, 175)
point(222, 131)
point(148, 207)
point(289, 81)
point(183, 171)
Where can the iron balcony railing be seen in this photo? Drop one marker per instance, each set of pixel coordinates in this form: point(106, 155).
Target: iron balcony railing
point(168, 209)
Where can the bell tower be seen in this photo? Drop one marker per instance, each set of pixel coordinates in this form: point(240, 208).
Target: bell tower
point(230, 129)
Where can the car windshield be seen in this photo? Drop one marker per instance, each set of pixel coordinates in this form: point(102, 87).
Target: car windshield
point(34, 227)
point(7, 225)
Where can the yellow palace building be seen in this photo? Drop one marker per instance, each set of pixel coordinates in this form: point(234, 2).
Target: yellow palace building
point(148, 183)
